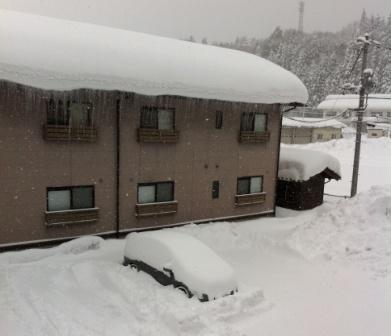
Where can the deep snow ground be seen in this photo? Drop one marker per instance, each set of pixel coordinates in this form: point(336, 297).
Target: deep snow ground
point(321, 272)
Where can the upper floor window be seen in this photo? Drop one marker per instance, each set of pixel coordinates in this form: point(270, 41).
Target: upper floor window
point(253, 122)
point(69, 113)
point(155, 118)
point(70, 198)
point(250, 185)
point(155, 192)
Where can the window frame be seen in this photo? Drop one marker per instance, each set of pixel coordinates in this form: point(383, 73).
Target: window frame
point(253, 122)
point(52, 108)
point(216, 189)
point(147, 184)
point(156, 110)
point(249, 178)
point(219, 119)
point(70, 188)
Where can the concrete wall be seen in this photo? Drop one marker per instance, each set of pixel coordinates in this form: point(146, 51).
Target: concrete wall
point(29, 164)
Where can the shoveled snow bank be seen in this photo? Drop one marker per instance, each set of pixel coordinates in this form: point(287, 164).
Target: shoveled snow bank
point(299, 164)
point(58, 54)
point(75, 246)
point(193, 262)
point(357, 229)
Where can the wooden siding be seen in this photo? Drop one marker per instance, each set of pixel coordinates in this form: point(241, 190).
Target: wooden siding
point(156, 209)
point(257, 198)
point(67, 133)
point(65, 217)
point(254, 137)
point(300, 195)
point(157, 135)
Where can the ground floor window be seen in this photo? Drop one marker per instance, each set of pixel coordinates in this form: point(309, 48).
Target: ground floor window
point(250, 185)
point(70, 198)
point(155, 192)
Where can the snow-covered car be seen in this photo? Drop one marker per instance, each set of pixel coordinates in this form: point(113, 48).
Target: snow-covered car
point(177, 259)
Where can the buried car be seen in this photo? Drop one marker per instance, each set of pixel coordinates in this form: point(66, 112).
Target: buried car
point(177, 259)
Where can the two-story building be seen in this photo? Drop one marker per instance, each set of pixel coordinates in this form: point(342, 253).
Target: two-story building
point(104, 131)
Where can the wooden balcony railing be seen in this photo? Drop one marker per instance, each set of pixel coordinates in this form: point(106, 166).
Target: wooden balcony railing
point(68, 133)
point(65, 217)
point(156, 209)
point(247, 199)
point(254, 137)
point(157, 135)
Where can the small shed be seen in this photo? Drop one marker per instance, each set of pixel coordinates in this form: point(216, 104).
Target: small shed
point(301, 177)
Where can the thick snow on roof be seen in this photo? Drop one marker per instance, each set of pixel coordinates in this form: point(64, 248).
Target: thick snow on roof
point(58, 54)
point(193, 263)
point(311, 123)
point(376, 102)
point(301, 164)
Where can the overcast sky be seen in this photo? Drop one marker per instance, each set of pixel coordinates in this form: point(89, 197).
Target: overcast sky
point(218, 20)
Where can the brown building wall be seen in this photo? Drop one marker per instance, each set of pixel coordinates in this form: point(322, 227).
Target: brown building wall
point(29, 164)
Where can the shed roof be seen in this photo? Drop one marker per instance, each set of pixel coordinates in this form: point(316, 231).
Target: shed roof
point(311, 123)
point(376, 102)
point(299, 164)
point(57, 54)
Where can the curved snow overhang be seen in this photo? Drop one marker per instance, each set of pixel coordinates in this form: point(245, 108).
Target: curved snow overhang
point(56, 54)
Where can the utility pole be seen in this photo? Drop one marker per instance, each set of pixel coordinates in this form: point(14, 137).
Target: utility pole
point(301, 16)
point(356, 163)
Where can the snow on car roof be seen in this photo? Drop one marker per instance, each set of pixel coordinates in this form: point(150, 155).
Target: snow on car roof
point(58, 54)
point(298, 164)
point(192, 262)
point(376, 102)
point(311, 123)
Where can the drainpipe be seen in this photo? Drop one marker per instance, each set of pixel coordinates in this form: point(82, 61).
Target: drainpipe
point(117, 165)
point(278, 158)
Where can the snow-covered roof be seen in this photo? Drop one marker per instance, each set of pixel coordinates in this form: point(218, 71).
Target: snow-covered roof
point(298, 164)
point(376, 102)
point(57, 54)
point(311, 123)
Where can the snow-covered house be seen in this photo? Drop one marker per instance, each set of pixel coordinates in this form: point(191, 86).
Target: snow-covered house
point(378, 130)
point(298, 130)
point(301, 177)
point(378, 105)
point(105, 131)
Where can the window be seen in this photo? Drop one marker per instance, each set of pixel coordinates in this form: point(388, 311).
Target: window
point(320, 136)
point(67, 113)
point(250, 185)
point(155, 192)
point(157, 118)
point(333, 136)
point(253, 122)
point(374, 114)
point(215, 189)
point(70, 198)
point(219, 119)
point(389, 114)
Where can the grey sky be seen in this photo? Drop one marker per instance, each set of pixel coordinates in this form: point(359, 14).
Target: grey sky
point(221, 20)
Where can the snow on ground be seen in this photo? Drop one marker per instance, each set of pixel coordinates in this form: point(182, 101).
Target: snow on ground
point(319, 272)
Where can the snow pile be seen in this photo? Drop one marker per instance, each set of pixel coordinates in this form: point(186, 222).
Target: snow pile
point(376, 102)
point(58, 54)
point(75, 246)
point(311, 123)
point(193, 263)
point(357, 229)
point(301, 164)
